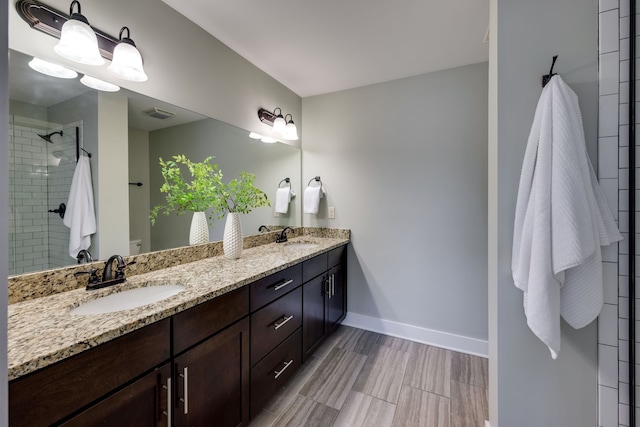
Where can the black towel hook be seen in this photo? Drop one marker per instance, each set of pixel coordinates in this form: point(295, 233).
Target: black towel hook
point(547, 77)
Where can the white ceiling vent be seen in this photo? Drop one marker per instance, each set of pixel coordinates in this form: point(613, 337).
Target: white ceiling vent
point(159, 113)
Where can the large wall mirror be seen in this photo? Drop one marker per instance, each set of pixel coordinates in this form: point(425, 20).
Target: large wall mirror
point(52, 120)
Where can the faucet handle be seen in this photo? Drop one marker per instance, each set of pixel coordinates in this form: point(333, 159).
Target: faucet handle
point(120, 269)
point(93, 275)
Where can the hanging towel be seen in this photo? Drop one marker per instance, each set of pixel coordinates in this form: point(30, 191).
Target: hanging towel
point(312, 197)
point(80, 216)
point(561, 221)
point(283, 197)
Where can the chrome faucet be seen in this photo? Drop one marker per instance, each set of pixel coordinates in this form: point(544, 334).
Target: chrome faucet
point(84, 256)
point(283, 235)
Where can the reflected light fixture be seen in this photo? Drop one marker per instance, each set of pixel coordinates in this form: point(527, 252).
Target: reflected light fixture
point(291, 131)
point(127, 61)
point(51, 69)
point(78, 41)
point(281, 127)
point(268, 140)
point(254, 135)
point(98, 84)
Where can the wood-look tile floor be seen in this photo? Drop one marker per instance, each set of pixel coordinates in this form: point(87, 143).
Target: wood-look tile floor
point(359, 378)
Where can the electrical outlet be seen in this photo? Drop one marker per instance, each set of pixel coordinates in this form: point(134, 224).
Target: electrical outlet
point(276, 214)
point(332, 212)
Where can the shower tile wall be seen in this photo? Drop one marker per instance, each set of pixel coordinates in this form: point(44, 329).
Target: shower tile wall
point(613, 172)
point(40, 179)
point(28, 217)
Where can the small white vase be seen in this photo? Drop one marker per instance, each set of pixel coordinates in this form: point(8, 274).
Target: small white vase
point(232, 238)
point(199, 231)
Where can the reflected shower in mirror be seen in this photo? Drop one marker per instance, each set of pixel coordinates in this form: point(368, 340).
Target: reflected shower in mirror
point(41, 171)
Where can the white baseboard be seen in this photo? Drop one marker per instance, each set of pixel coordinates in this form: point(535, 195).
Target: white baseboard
point(422, 335)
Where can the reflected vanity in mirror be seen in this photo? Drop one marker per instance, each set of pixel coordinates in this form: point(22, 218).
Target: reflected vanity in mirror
point(41, 168)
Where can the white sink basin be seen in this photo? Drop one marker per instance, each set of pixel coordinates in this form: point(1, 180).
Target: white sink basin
point(300, 245)
point(126, 300)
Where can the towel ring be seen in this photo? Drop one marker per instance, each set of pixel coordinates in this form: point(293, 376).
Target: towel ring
point(286, 181)
point(316, 179)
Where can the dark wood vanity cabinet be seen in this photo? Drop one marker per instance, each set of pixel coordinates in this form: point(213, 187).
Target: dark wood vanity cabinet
point(145, 403)
point(324, 297)
point(212, 380)
point(217, 363)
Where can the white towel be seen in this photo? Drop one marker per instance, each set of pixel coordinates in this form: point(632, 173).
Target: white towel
point(80, 215)
point(283, 197)
point(312, 197)
point(561, 221)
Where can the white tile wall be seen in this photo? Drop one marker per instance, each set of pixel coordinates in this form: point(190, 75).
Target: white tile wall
point(613, 163)
point(40, 179)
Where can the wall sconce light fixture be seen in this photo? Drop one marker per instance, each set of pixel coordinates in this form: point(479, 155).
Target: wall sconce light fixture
point(127, 61)
point(82, 43)
point(281, 127)
point(78, 41)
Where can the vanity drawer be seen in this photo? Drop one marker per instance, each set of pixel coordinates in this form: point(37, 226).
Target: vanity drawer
point(52, 393)
point(274, 371)
point(265, 290)
point(314, 267)
point(273, 323)
point(337, 256)
point(200, 322)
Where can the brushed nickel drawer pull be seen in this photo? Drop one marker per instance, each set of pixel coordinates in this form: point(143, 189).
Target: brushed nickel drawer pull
point(185, 399)
point(282, 285)
point(277, 325)
point(169, 403)
point(333, 285)
point(286, 365)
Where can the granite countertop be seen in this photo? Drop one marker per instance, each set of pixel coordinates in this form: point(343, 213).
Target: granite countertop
point(42, 331)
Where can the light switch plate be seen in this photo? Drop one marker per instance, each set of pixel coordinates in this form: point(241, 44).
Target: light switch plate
point(332, 212)
point(276, 214)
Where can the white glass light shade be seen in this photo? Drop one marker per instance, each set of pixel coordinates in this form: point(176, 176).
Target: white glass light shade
point(291, 132)
point(78, 42)
point(127, 63)
point(279, 125)
point(51, 69)
point(268, 140)
point(98, 84)
point(254, 135)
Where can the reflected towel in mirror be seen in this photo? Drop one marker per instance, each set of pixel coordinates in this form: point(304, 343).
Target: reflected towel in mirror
point(80, 216)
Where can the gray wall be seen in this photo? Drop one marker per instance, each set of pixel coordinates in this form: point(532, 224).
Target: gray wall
point(234, 152)
point(527, 387)
point(4, 216)
point(404, 164)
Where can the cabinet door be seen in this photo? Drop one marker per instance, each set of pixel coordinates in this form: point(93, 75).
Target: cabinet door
point(143, 403)
point(337, 297)
point(212, 380)
point(313, 315)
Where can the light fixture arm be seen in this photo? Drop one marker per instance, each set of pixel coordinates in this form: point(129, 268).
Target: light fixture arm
point(126, 39)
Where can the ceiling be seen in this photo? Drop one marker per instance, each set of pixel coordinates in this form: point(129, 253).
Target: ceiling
point(316, 47)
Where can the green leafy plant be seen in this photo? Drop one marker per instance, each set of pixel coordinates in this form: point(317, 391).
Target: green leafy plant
point(205, 190)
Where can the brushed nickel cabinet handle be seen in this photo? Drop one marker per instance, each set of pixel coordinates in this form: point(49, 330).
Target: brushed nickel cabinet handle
point(169, 403)
point(282, 285)
point(328, 286)
point(333, 285)
point(185, 399)
point(286, 365)
point(277, 326)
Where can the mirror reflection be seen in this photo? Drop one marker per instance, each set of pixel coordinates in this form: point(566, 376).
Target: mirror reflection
point(52, 120)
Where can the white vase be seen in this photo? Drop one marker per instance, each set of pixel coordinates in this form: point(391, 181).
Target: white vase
point(232, 238)
point(199, 231)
